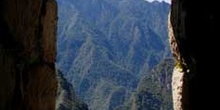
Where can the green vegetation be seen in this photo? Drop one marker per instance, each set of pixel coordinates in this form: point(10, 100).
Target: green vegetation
point(105, 47)
point(154, 89)
point(178, 65)
point(66, 98)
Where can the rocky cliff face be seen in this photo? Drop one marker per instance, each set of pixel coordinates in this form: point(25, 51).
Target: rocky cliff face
point(66, 98)
point(27, 54)
point(192, 29)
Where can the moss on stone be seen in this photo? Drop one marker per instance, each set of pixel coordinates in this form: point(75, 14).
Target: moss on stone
point(178, 65)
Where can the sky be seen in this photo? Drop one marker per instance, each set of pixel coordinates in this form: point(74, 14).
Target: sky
point(168, 1)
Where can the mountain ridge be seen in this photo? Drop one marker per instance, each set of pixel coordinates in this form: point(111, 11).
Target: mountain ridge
point(110, 42)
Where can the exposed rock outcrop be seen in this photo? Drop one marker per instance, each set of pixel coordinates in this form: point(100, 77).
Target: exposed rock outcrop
point(191, 32)
point(27, 54)
point(66, 97)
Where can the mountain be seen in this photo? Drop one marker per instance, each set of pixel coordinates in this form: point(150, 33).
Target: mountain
point(106, 46)
point(66, 98)
point(154, 90)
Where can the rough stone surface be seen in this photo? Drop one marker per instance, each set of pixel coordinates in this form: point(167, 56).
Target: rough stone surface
point(177, 87)
point(178, 73)
point(27, 54)
point(173, 42)
point(48, 21)
point(193, 43)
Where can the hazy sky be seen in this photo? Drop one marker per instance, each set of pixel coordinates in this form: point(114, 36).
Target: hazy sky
point(168, 1)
